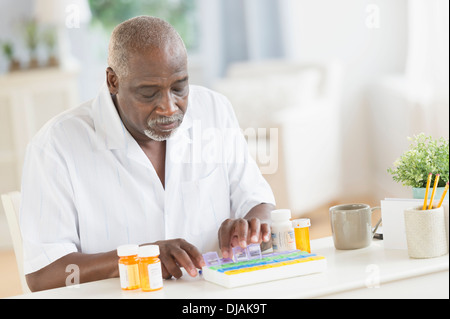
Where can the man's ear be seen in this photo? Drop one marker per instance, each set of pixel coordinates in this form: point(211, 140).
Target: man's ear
point(112, 80)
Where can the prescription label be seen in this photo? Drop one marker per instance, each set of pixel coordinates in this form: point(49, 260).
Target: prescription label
point(129, 276)
point(282, 241)
point(155, 275)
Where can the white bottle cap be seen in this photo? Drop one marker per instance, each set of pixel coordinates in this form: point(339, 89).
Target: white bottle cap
point(281, 214)
point(149, 251)
point(301, 223)
point(127, 250)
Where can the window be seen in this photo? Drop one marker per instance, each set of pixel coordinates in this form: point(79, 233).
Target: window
point(179, 13)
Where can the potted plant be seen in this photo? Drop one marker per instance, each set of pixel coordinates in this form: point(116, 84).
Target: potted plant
point(425, 155)
point(49, 39)
point(32, 40)
point(8, 51)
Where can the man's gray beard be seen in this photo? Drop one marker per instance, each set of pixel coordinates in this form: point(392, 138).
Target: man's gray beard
point(160, 138)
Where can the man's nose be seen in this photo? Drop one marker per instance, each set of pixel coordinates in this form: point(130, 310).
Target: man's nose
point(167, 106)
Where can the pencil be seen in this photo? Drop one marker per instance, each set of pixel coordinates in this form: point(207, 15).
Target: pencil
point(436, 181)
point(443, 195)
point(425, 200)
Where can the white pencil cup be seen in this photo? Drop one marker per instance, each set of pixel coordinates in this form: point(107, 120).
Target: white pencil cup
point(425, 232)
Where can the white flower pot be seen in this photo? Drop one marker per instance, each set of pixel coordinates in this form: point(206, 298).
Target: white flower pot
point(425, 232)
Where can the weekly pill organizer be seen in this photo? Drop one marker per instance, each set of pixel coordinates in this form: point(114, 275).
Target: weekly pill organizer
point(249, 266)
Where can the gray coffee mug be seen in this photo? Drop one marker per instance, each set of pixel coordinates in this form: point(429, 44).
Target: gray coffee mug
point(351, 225)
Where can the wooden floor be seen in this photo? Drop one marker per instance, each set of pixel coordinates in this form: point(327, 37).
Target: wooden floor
point(9, 275)
point(320, 227)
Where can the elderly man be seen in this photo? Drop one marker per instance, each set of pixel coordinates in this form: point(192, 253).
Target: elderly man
point(134, 165)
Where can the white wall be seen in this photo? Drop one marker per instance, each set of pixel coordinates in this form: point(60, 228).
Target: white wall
point(323, 30)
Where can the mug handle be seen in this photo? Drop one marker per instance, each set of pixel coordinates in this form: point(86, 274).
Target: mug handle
point(378, 223)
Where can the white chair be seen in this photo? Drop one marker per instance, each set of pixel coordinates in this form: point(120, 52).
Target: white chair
point(11, 205)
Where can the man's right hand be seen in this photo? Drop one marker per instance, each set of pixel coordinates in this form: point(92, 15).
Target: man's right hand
point(177, 253)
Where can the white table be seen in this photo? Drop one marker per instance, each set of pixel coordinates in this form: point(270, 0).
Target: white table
point(372, 272)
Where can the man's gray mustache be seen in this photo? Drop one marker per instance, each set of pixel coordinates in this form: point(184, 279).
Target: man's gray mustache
point(166, 120)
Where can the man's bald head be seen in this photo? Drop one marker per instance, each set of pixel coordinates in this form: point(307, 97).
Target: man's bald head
point(140, 34)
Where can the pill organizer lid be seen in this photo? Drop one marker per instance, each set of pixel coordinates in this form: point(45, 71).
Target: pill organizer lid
point(212, 259)
point(149, 251)
point(302, 222)
point(127, 250)
point(281, 214)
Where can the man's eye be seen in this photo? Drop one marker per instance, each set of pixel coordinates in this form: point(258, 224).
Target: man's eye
point(179, 89)
point(145, 96)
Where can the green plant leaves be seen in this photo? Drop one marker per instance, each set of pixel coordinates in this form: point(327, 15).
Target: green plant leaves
point(179, 13)
point(425, 155)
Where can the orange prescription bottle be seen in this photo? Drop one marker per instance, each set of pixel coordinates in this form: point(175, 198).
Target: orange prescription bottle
point(301, 230)
point(150, 268)
point(128, 266)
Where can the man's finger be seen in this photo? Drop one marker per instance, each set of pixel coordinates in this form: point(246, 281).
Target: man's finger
point(165, 272)
point(265, 232)
point(225, 238)
point(194, 254)
point(255, 230)
point(183, 259)
point(241, 229)
point(170, 266)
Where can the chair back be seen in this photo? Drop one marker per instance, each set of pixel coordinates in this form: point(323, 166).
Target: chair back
point(11, 205)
